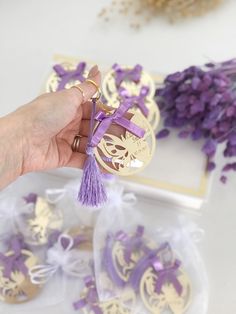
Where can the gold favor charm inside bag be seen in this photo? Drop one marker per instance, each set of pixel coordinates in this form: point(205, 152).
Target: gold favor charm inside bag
point(18, 288)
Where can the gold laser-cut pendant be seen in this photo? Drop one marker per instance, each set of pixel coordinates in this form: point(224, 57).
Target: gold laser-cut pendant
point(126, 154)
point(121, 305)
point(46, 219)
point(110, 92)
point(54, 80)
point(154, 113)
point(168, 300)
point(124, 268)
point(109, 307)
point(18, 288)
point(87, 233)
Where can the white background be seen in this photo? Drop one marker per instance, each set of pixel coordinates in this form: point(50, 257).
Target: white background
point(31, 31)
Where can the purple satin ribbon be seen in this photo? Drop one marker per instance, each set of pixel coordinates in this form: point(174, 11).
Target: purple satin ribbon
point(168, 274)
point(164, 273)
point(31, 198)
point(132, 243)
point(91, 299)
point(117, 118)
point(121, 75)
point(108, 263)
point(16, 261)
point(53, 237)
point(148, 260)
point(77, 240)
point(67, 76)
point(139, 100)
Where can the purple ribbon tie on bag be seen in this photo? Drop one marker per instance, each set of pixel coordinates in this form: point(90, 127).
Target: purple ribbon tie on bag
point(91, 299)
point(138, 100)
point(16, 261)
point(67, 76)
point(117, 118)
point(121, 75)
point(167, 274)
point(77, 240)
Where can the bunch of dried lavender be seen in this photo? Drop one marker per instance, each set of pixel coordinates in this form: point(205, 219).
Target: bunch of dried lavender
point(201, 102)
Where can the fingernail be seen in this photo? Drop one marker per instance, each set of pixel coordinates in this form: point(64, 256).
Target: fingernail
point(93, 71)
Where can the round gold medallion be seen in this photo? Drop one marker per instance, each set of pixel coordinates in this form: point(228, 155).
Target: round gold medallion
point(124, 267)
point(18, 288)
point(126, 154)
point(120, 305)
point(168, 300)
point(110, 88)
point(111, 94)
point(54, 79)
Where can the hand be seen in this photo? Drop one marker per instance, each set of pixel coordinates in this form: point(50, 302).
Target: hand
point(38, 136)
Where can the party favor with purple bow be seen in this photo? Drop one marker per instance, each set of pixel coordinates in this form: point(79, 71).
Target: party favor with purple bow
point(157, 261)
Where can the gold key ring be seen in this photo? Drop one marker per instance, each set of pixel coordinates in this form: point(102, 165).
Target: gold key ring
point(99, 93)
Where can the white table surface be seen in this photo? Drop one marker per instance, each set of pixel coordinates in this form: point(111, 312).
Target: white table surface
point(31, 31)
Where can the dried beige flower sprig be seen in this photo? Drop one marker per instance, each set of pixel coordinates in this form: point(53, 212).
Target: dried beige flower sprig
point(143, 10)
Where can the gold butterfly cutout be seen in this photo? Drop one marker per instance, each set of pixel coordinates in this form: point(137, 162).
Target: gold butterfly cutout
point(125, 155)
point(45, 219)
point(168, 299)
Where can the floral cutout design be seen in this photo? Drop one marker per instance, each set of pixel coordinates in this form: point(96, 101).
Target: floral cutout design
point(127, 154)
point(17, 288)
point(44, 220)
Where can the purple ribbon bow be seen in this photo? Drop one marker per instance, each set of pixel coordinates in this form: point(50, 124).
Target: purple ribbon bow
point(67, 76)
point(131, 244)
point(150, 259)
point(121, 75)
point(116, 117)
point(168, 274)
point(91, 299)
point(16, 261)
point(77, 240)
point(31, 198)
point(137, 100)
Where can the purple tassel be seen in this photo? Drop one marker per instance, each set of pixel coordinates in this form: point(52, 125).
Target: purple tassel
point(92, 191)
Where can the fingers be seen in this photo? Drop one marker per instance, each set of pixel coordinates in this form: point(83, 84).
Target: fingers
point(83, 144)
point(86, 89)
point(113, 129)
point(87, 109)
